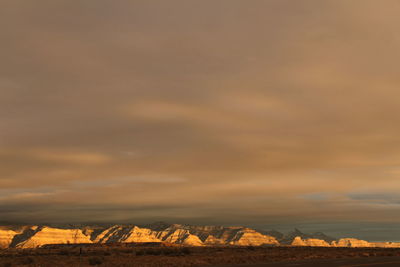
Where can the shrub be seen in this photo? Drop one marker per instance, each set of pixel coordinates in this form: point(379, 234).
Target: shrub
point(27, 261)
point(64, 252)
point(185, 251)
point(169, 251)
point(153, 252)
point(95, 261)
point(127, 250)
point(107, 253)
point(140, 253)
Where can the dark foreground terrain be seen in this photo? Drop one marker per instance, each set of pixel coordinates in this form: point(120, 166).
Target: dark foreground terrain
point(345, 262)
point(152, 255)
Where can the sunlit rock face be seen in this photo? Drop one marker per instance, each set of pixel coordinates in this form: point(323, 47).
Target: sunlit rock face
point(184, 234)
point(223, 234)
point(137, 234)
point(106, 235)
point(212, 241)
point(188, 235)
point(125, 234)
point(6, 237)
point(179, 236)
point(48, 235)
point(316, 242)
point(351, 242)
point(298, 242)
point(344, 242)
point(215, 235)
point(290, 237)
point(249, 237)
point(172, 235)
point(386, 244)
point(191, 240)
point(309, 242)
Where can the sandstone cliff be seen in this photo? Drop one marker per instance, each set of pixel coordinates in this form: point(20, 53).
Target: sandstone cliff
point(343, 242)
point(298, 242)
point(249, 237)
point(47, 235)
point(37, 236)
point(289, 238)
point(125, 235)
point(351, 242)
point(6, 237)
point(309, 242)
point(212, 241)
point(386, 244)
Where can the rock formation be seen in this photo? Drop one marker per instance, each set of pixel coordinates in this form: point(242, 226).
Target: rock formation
point(351, 242)
point(125, 234)
point(47, 235)
point(37, 236)
point(180, 236)
point(213, 241)
point(298, 242)
point(6, 237)
point(386, 244)
point(249, 237)
point(309, 242)
point(191, 240)
point(289, 238)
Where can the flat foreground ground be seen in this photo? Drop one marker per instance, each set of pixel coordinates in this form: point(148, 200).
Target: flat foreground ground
point(357, 262)
point(142, 255)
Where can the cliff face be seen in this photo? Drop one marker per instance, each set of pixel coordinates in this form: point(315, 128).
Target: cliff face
point(386, 244)
point(344, 242)
point(191, 240)
point(290, 237)
point(187, 235)
point(32, 237)
point(352, 242)
point(249, 237)
point(309, 242)
point(180, 236)
point(313, 242)
point(125, 235)
point(6, 237)
point(212, 241)
point(298, 242)
point(37, 236)
point(47, 235)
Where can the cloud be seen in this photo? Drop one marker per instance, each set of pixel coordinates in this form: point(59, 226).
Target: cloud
point(254, 110)
point(68, 157)
point(385, 198)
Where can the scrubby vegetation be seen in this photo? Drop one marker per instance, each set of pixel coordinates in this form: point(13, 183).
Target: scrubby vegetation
point(156, 255)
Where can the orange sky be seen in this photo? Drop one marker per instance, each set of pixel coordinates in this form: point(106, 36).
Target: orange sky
point(271, 112)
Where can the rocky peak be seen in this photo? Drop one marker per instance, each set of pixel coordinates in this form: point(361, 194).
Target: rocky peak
point(289, 238)
point(351, 242)
point(310, 242)
point(47, 235)
point(36, 236)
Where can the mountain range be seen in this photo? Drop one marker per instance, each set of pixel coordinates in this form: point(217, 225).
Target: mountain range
point(33, 236)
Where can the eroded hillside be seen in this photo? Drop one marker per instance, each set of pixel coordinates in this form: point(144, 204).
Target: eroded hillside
point(37, 236)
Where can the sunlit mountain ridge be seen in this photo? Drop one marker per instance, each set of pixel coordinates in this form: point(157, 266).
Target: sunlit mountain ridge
point(186, 235)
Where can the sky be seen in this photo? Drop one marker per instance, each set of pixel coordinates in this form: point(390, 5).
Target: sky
point(265, 113)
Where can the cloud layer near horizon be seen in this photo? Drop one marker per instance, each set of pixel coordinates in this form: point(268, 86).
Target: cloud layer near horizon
point(234, 112)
